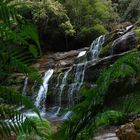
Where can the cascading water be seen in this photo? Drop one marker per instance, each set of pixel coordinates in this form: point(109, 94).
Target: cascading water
point(64, 82)
point(80, 68)
point(96, 46)
point(70, 84)
point(24, 92)
point(77, 82)
point(43, 90)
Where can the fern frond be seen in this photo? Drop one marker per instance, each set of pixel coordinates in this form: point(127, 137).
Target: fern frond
point(15, 61)
point(12, 118)
point(15, 56)
point(7, 11)
point(29, 31)
point(10, 96)
point(121, 68)
point(21, 125)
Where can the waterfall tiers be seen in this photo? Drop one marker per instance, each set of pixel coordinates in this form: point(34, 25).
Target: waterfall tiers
point(76, 69)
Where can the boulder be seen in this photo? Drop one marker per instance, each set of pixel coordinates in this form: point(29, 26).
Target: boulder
point(127, 132)
point(124, 43)
point(96, 67)
point(137, 123)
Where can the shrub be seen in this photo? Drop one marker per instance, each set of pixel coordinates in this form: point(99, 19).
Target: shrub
point(87, 34)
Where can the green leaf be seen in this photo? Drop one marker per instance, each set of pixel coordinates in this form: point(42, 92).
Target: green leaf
point(33, 50)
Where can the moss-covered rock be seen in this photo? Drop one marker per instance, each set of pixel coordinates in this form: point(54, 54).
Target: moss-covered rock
point(106, 51)
point(137, 33)
point(107, 46)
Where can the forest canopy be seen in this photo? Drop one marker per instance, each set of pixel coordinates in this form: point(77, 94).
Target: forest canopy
point(75, 22)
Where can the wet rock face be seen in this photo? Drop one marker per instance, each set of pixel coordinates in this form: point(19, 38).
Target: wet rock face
point(124, 43)
point(95, 68)
point(60, 60)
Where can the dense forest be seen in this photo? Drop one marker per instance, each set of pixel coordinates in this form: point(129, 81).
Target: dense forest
point(69, 69)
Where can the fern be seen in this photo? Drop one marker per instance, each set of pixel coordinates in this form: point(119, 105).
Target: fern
point(15, 56)
point(12, 118)
point(6, 12)
point(24, 33)
point(83, 121)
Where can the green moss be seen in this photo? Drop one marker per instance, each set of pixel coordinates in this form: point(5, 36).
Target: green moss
point(106, 50)
point(137, 33)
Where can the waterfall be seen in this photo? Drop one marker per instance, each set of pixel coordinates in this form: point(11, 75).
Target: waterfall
point(25, 86)
point(43, 89)
point(96, 46)
point(77, 82)
point(75, 85)
point(56, 90)
point(80, 68)
point(64, 82)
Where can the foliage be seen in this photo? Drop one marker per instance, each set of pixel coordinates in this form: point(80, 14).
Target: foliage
point(24, 33)
point(129, 9)
point(137, 32)
point(44, 130)
point(86, 12)
point(82, 124)
point(12, 120)
point(105, 51)
point(50, 18)
point(129, 103)
point(88, 17)
point(88, 33)
point(15, 56)
point(108, 117)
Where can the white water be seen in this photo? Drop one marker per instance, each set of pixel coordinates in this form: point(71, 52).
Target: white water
point(64, 82)
point(80, 68)
point(77, 83)
point(67, 115)
point(43, 88)
point(82, 53)
point(96, 46)
point(25, 86)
